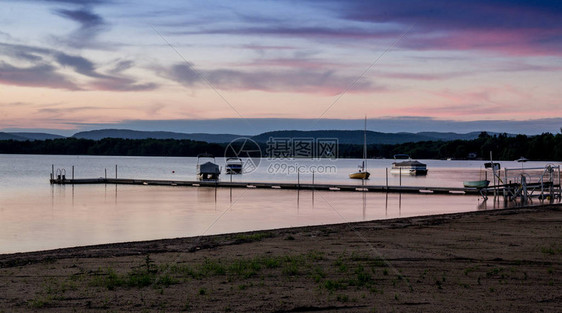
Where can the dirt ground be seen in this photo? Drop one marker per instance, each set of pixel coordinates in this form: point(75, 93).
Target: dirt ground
point(501, 260)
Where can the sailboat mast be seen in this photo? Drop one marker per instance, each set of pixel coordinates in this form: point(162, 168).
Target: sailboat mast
point(365, 143)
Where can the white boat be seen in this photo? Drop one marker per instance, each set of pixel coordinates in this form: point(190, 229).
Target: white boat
point(234, 165)
point(207, 170)
point(409, 167)
point(362, 173)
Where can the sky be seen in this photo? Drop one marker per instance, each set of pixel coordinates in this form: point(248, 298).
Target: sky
point(250, 66)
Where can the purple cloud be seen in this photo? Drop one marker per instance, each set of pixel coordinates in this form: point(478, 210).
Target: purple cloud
point(84, 17)
point(90, 26)
point(300, 32)
point(34, 76)
point(45, 64)
point(302, 80)
point(509, 27)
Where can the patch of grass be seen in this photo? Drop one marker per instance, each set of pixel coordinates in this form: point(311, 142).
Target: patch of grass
point(40, 302)
point(552, 249)
point(245, 286)
point(333, 285)
point(211, 267)
point(186, 306)
point(110, 280)
point(341, 264)
point(290, 269)
point(292, 264)
point(495, 272)
point(271, 262)
point(245, 268)
point(469, 270)
point(315, 256)
point(362, 278)
point(144, 276)
point(245, 238)
point(166, 280)
point(318, 274)
point(343, 298)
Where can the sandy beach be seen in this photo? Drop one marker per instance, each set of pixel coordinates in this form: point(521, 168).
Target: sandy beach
point(499, 260)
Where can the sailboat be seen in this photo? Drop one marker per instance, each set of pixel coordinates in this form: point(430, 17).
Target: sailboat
point(362, 173)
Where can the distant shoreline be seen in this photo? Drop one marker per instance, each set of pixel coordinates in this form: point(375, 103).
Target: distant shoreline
point(343, 144)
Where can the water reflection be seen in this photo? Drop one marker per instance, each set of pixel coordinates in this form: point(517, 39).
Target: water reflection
point(92, 214)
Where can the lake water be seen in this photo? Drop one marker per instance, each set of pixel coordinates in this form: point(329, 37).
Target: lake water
point(35, 215)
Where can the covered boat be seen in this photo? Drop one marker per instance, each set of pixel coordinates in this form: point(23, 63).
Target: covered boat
point(207, 170)
point(410, 167)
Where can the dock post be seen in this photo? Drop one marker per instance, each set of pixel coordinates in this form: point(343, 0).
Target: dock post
point(298, 178)
point(72, 172)
point(524, 188)
point(400, 176)
point(106, 174)
point(115, 171)
point(312, 188)
point(312, 178)
point(386, 170)
point(52, 171)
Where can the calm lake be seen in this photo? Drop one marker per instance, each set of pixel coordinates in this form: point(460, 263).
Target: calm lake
point(35, 215)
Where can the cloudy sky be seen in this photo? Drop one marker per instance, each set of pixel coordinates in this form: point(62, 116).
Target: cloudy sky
point(69, 65)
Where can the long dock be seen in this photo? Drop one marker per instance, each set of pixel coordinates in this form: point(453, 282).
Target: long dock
point(273, 185)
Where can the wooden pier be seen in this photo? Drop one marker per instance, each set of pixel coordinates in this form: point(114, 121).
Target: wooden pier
point(273, 185)
point(546, 187)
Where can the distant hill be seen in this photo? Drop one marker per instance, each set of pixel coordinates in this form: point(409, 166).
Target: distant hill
point(22, 136)
point(8, 136)
point(38, 136)
point(454, 136)
point(135, 134)
point(343, 136)
point(356, 136)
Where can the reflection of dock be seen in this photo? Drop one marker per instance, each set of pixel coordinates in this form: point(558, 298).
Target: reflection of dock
point(288, 186)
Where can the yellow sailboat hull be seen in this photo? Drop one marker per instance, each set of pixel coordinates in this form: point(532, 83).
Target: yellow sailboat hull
point(360, 175)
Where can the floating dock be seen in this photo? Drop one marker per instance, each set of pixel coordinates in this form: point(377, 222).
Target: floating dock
point(547, 186)
point(273, 185)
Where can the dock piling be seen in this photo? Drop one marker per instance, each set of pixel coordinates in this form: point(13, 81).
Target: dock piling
point(386, 170)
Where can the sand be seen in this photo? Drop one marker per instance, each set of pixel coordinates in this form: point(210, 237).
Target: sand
point(492, 261)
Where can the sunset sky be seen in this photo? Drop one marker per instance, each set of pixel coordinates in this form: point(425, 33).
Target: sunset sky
point(69, 65)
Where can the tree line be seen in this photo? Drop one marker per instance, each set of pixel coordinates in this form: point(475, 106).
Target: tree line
point(111, 146)
point(546, 146)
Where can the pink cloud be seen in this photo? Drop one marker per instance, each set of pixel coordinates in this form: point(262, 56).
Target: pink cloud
point(523, 42)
